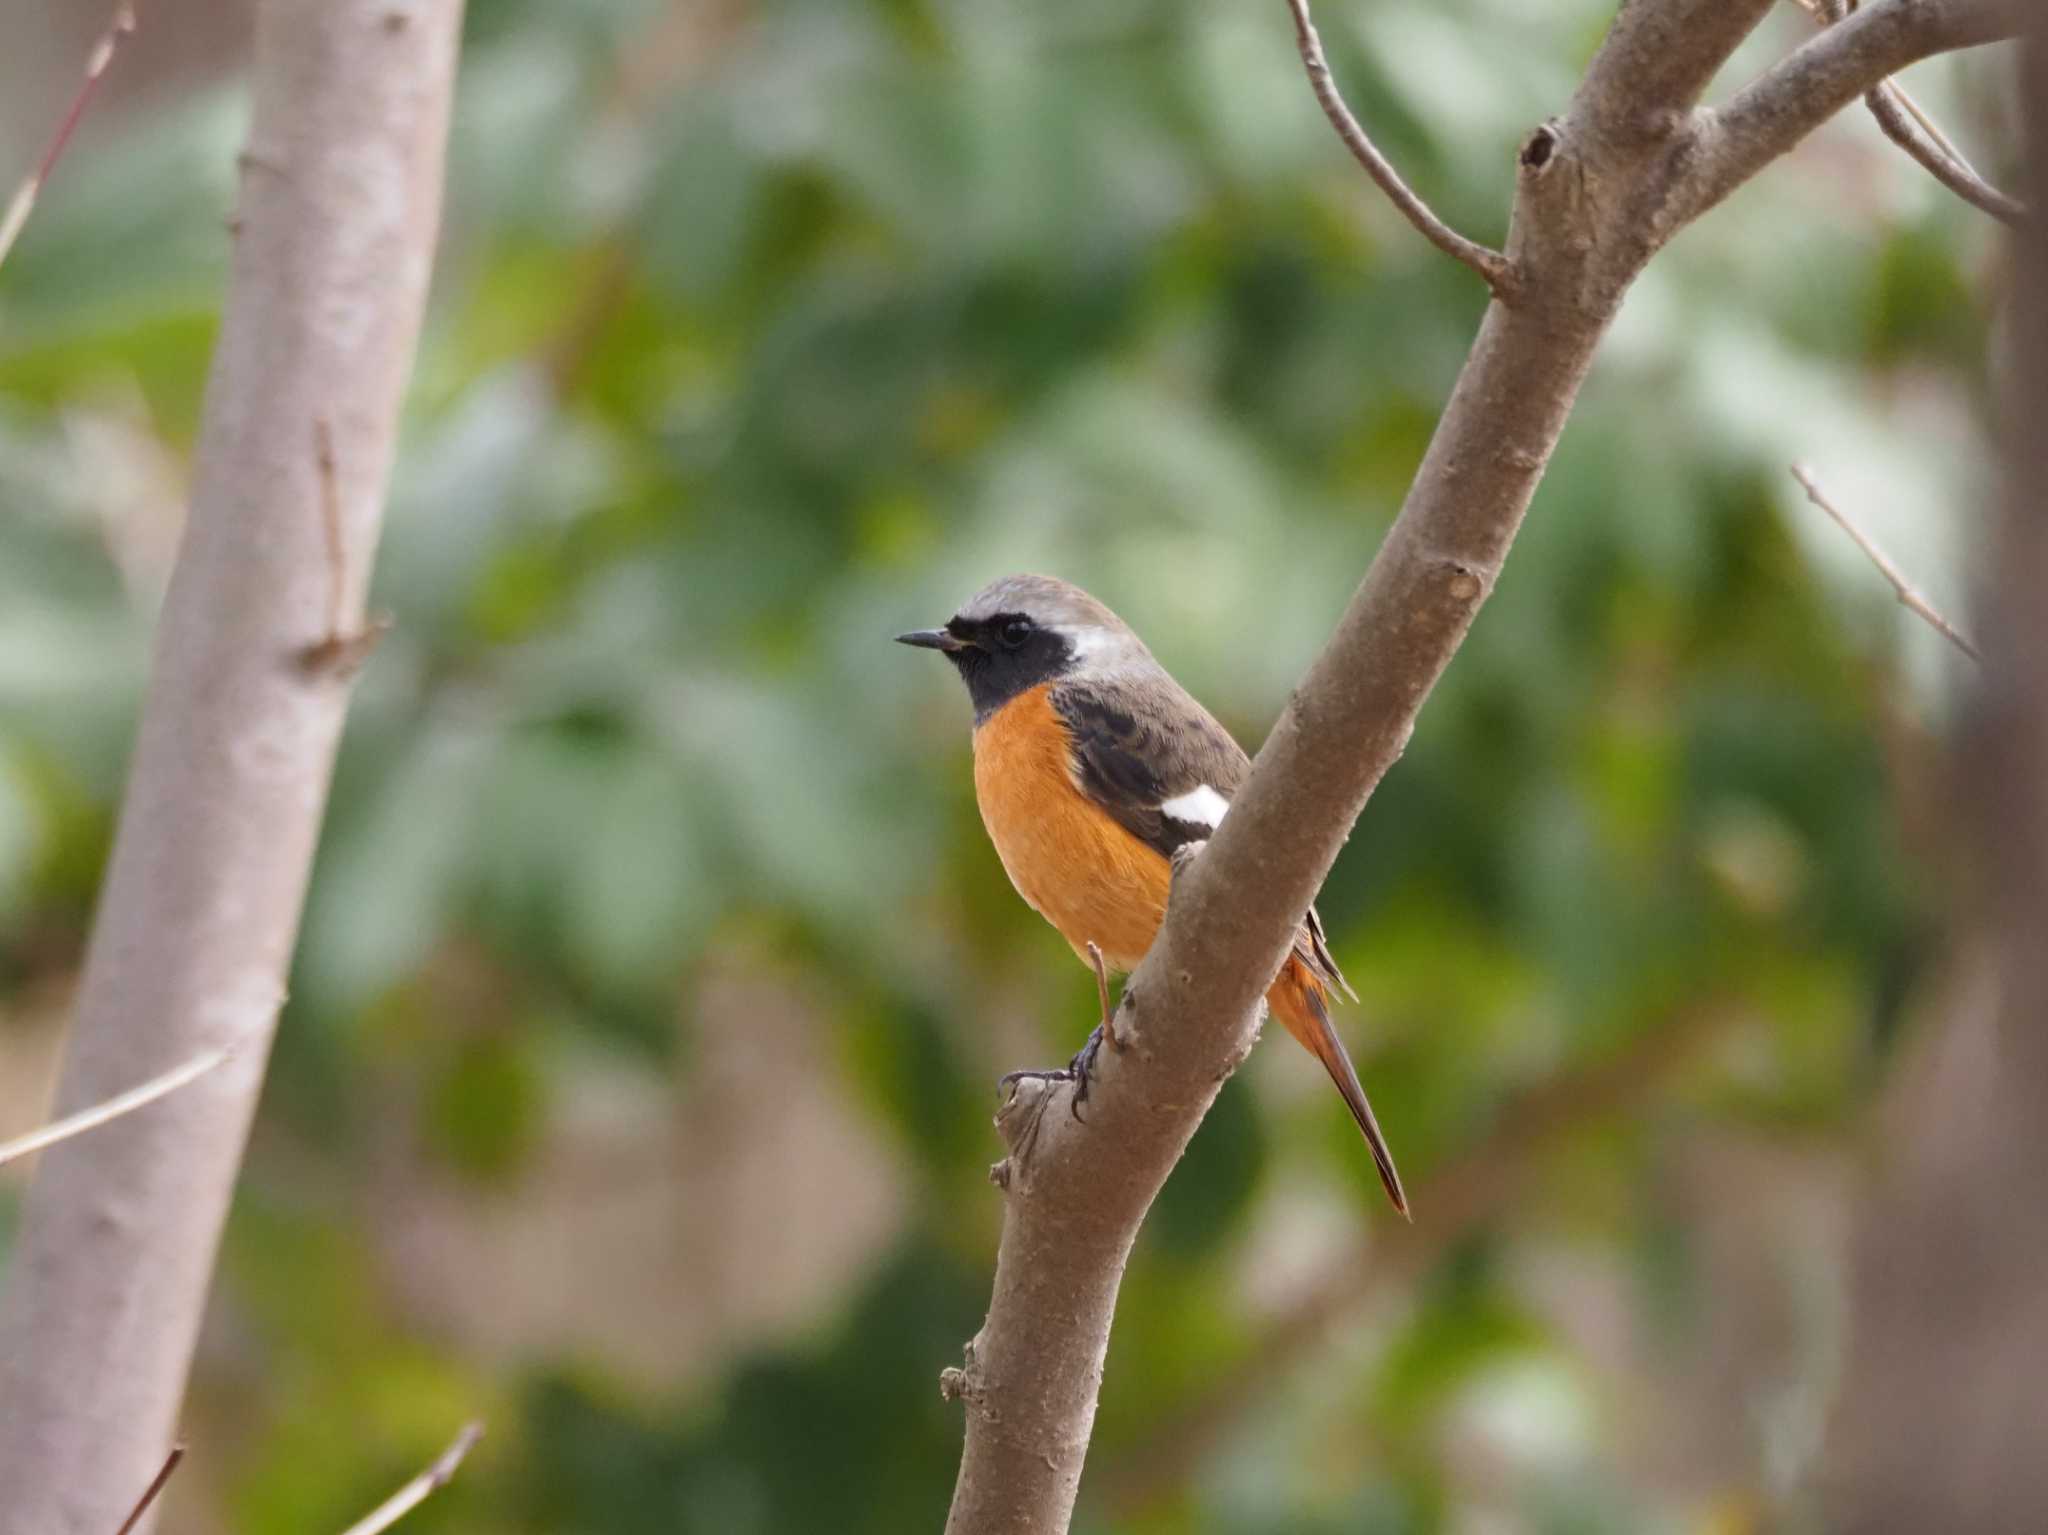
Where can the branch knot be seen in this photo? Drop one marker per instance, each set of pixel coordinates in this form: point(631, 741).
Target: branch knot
point(962, 1382)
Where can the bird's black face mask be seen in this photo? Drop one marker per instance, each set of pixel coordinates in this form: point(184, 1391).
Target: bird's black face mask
point(997, 657)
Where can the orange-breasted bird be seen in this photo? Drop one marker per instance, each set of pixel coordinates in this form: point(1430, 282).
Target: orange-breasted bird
point(1092, 766)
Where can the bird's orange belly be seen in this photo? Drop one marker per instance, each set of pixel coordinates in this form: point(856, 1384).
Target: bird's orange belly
point(1066, 855)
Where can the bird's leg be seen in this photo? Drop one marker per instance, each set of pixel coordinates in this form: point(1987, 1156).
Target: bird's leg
point(1108, 1026)
point(1081, 1069)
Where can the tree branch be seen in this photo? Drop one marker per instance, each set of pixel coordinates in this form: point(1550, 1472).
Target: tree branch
point(1659, 56)
point(1908, 594)
point(1599, 191)
point(154, 1490)
point(1907, 126)
point(24, 200)
point(121, 1103)
point(420, 1488)
point(1803, 90)
point(199, 912)
point(1490, 264)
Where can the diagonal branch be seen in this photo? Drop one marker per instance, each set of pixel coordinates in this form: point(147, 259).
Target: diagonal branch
point(24, 200)
point(1490, 264)
point(113, 1108)
point(1906, 125)
point(1807, 87)
point(154, 1490)
point(1907, 593)
point(1660, 55)
point(415, 1492)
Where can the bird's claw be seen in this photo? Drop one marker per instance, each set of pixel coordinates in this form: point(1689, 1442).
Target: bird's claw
point(1079, 1071)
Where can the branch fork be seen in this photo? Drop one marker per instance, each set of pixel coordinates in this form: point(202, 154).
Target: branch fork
point(1909, 127)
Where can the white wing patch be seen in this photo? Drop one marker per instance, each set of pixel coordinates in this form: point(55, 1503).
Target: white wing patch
point(1201, 806)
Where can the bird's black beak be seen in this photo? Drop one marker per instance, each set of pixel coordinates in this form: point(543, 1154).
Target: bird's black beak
point(933, 639)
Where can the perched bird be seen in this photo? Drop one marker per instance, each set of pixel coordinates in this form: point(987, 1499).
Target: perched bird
point(1092, 766)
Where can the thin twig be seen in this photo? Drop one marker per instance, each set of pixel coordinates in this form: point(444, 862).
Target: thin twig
point(1850, 58)
point(1896, 112)
point(1490, 264)
point(416, 1491)
point(342, 651)
point(330, 521)
point(24, 199)
point(1927, 124)
point(115, 1107)
point(1910, 127)
point(1907, 593)
point(149, 1493)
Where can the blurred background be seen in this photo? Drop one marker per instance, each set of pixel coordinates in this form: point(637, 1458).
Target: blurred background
point(635, 1088)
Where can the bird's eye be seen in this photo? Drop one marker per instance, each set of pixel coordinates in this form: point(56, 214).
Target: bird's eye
point(1015, 632)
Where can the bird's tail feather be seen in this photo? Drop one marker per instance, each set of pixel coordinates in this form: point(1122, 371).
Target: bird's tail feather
point(1297, 999)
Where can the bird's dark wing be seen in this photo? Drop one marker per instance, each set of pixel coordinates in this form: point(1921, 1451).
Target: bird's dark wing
point(1162, 766)
point(1154, 758)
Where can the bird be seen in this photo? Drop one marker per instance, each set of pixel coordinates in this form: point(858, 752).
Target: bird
point(1093, 768)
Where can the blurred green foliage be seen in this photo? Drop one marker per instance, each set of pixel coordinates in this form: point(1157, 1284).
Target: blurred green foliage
point(765, 330)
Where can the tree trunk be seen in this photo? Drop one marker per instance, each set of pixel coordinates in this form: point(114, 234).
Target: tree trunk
point(1939, 1424)
point(339, 205)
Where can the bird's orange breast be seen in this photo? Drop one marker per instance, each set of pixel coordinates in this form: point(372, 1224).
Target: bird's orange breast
point(1066, 855)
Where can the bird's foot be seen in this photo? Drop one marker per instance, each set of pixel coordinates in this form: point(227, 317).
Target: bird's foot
point(1079, 1071)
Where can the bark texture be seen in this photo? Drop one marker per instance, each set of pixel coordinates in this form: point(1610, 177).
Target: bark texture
point(1600, 190)
point(1938, 1425)
point(335, 234)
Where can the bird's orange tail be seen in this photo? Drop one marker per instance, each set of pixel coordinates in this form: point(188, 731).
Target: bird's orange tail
point(1298, 1001)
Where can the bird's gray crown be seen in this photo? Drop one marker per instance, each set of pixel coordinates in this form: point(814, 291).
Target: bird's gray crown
point(1044, 600)
point(1099, 640)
